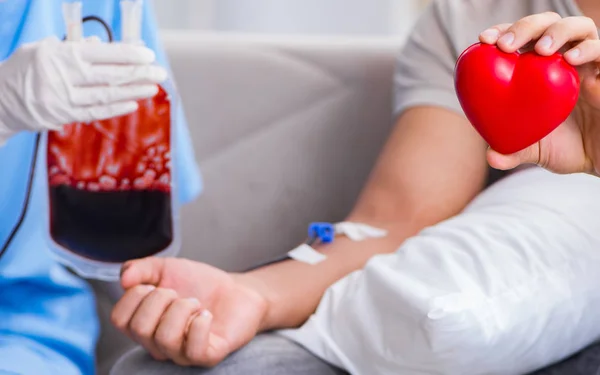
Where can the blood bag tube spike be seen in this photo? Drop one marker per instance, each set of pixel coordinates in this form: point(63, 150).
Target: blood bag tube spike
point(131, 21)
point(73, 20)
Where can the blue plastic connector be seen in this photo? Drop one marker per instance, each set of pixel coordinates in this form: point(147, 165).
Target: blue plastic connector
point(325, 232)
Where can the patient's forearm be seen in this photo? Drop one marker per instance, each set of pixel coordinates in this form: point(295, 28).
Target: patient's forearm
point(294, 289)
point(431, 167)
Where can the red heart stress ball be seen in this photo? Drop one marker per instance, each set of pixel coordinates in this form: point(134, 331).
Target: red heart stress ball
point(514, 99)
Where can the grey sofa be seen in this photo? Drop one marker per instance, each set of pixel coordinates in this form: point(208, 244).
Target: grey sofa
point(285, 130)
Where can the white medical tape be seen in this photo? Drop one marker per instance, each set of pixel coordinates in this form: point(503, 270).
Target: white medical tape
point(359, 232)
point(306, 254)
point(354, 231)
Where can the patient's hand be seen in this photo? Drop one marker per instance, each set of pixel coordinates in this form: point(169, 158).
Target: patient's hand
point(188, 312)
point(575, 145)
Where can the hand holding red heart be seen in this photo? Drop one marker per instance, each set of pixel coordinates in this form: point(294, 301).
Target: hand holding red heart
point(574, 146)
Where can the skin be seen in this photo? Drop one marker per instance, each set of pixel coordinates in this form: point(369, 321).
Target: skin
point(575, 145)
point(195, 314)
point(401, 196)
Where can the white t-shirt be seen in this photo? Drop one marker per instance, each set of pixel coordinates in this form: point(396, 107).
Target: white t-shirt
point(425, 69)
point(360, 323)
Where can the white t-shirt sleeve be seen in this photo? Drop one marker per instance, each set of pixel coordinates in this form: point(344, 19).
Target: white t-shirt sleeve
point(425, 68)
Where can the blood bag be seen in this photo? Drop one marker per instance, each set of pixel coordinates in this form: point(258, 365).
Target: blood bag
point(111, 196)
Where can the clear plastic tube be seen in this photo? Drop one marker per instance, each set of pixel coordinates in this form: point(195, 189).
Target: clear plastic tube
point(73, 20)
point(131, 21)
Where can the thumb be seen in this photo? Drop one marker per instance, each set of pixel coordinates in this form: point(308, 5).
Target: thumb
point(530, 155)
point(147, 271)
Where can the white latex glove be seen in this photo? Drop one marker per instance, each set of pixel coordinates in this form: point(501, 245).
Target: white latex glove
point(48, 84)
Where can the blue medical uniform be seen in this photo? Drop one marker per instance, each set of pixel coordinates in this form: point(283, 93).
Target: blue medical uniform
point(48, 322)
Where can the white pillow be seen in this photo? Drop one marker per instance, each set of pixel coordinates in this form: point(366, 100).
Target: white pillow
point(509, 286)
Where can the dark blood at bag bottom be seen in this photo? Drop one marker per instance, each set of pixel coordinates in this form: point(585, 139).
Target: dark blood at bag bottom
point(95, 225)
point(110, 184)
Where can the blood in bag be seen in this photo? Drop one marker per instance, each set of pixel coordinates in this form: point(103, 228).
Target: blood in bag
point(110, 194)
point(110, 183)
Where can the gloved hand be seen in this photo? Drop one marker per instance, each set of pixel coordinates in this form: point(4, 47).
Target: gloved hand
point(48, 84)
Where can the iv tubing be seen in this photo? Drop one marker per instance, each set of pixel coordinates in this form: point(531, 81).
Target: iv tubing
point(131, 21)
point(73, 21)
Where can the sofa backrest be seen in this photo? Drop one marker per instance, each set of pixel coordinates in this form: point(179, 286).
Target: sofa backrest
point(285, 130)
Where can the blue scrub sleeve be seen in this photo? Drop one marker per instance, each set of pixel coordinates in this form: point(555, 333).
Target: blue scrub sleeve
point(47, 325)
point(48, 322)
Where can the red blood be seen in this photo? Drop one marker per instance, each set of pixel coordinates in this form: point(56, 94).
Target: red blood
point(110, 154)
point(125, 183)
point(60, 179)
point(109, 184)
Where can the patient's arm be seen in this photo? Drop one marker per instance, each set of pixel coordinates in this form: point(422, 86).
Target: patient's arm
point(195, 314)
point(432, 166)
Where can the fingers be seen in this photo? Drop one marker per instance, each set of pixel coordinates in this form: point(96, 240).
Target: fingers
point(147, 316)
point(202, 348)
point(526, 30)
point(116, 54)
point(530, 155)
point(114, 75)
point(90, 96)
point(570, 29)
point(170, 335)
point(549, 30)
point(143, 271)
point(103, 112)
point(127, 305)
point(491, 35)
point(585, 52)
point(167, 326)
point(590, 85)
